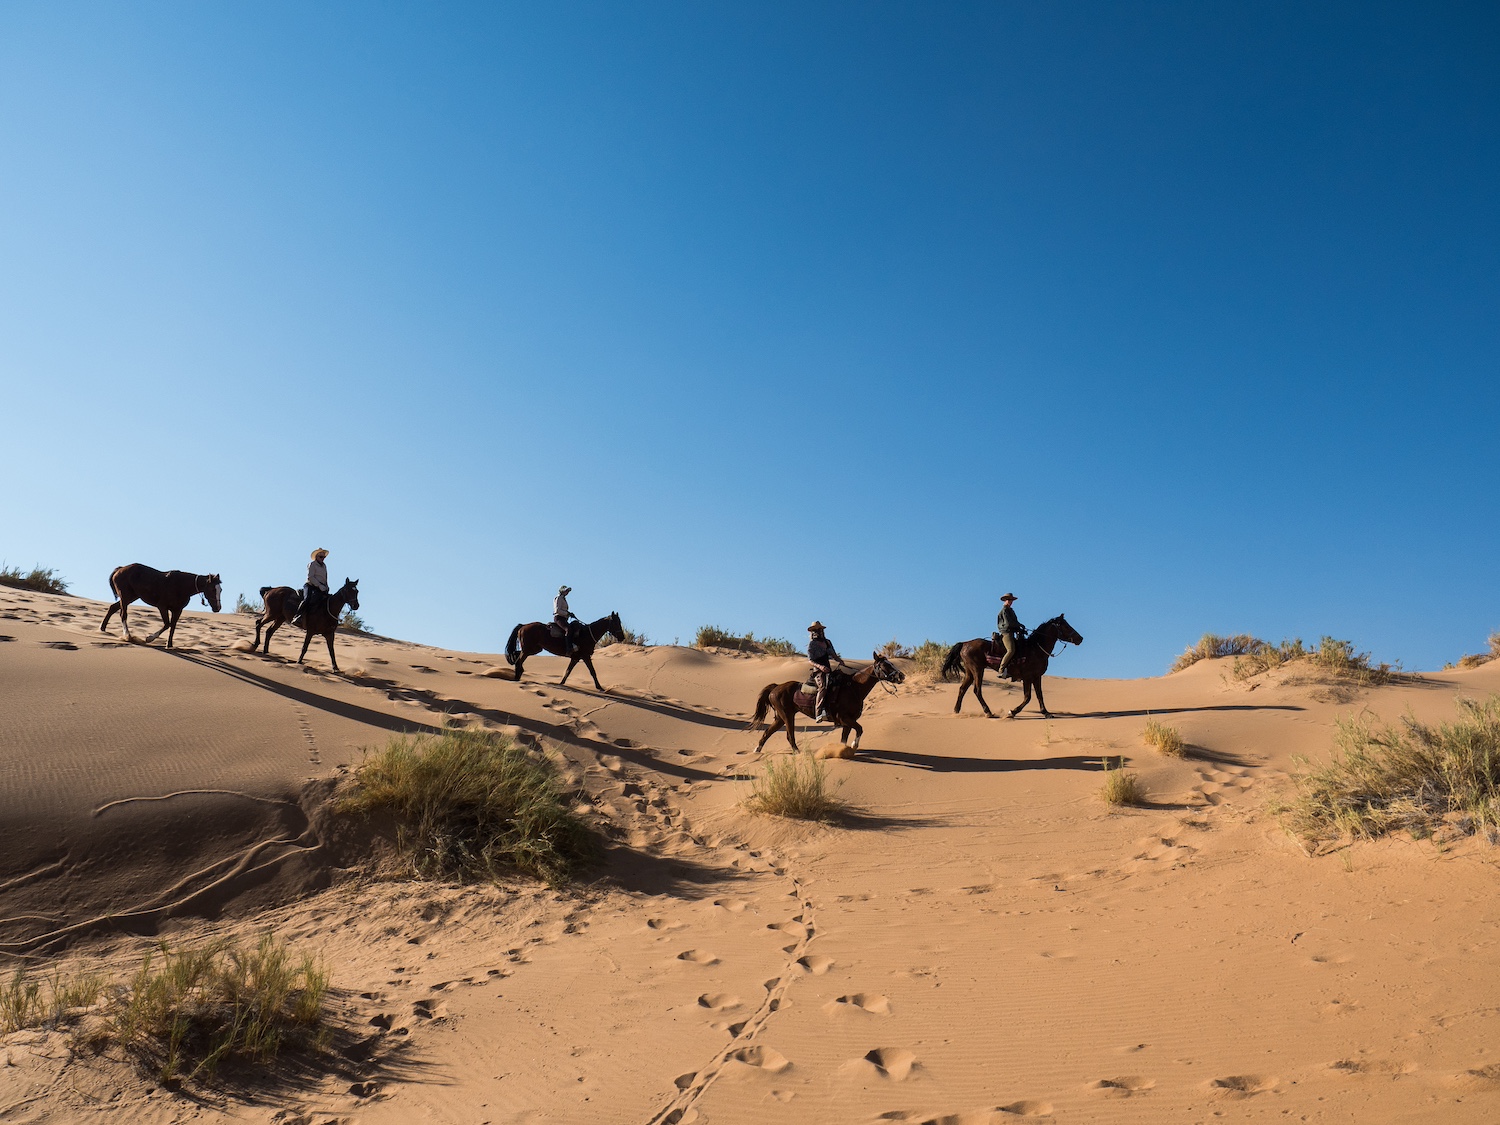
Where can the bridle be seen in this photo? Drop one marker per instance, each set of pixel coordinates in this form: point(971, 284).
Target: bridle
point(202, 591)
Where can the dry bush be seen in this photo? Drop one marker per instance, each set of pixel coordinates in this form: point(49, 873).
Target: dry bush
point(1166, 739)
point(188, 1011)
point(46, 581)
point(473, 804)
point(895, 650)
point(30, 1002)
point(711, 636)
point(927, 657)
point(631, 637)
point(244, 605)
point(1412, 776)
point(352, 622)
point(1211, 646)
point(1267, 657)
point(1120, 786)
point(1475, 659)
point(795, 786)
point(1330, 657)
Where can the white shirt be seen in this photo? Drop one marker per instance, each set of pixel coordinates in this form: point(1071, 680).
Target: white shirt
point(317, 575)
point(560, 606)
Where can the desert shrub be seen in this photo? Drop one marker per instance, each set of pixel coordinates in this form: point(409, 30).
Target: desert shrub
point(1211, 645)
point(895, 650)
point(928, 658)
point(795, 786)
point(1167, 740)
point(244, 605)
point(1267, 657)
point(711, 636)
point(473, 804)
point(1475, 659)
point(352, 622)
point(43, 581)
point(1330, 657)
point(1121, 787)
point(631, 637)
point(27, 1001)
point(187, 1011)
point(1411, 776)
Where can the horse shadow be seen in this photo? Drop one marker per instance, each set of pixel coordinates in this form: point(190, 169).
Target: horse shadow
point(678, 711)
point(1152, 711)
point(941, 763)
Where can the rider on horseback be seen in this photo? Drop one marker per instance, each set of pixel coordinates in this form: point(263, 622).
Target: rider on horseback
point(823, 656)
point(562, 618)
point(315, 592)
point(1011, 632)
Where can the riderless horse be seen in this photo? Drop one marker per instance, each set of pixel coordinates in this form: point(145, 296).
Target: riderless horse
point(536, 636)
point(282, 603)
point(848, 704)
point(1027, 667)
point(169, 591)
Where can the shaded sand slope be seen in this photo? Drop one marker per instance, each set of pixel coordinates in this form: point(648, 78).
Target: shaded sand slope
point(981, 942)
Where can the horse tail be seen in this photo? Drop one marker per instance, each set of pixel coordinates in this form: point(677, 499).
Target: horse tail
point(955, 659)
point(512, 649)
point(761, 706)
point(113, 585)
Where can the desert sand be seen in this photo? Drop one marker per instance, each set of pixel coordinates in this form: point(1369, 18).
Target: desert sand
point(984, 940)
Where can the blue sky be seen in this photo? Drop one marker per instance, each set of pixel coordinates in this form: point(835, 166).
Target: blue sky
point(1174, 317)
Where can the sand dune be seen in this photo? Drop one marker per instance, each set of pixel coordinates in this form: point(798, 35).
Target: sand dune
point(985, 941)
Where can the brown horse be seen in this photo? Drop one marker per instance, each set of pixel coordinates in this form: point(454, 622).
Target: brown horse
point(847, 706)
point(536, 636)
point(1027, 667)
point(169, 591)
point(281, 605)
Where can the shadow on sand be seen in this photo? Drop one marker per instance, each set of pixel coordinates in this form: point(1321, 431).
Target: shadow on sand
point(939, 763)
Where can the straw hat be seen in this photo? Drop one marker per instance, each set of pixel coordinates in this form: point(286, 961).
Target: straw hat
point(815, 627)
point(320, 553)
point(565, 590)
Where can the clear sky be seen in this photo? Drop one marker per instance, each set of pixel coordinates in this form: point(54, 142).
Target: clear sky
point(1175, 317)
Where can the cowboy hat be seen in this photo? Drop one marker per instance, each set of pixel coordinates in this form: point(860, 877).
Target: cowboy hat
point(815, 627)
point(1009, 598)
point(321, 552)
point(565, 589)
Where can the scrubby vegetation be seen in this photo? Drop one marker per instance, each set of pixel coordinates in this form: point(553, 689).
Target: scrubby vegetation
point(927, 657)
point(244, 605)
point(185, 1012)
point(1121, 787)
point(352, 622)
point(631, 637)
point(711, 636)
point(188, 1011)
point(1211, 645)
point(473, 804)
point(45, 581)
point(1475, 659)
point(1167, 740)
point(1412, 776)
point(795, 786)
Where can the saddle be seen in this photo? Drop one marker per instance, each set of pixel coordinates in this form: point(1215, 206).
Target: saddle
point(995, 652)
point(807, 694)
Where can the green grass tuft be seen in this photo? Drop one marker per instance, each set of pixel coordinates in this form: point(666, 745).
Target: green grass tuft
point(43, 581)
point(795, 786)
point(1413, 776)
point(472, 804)
point(26, 1001)
point(1120, 786)
point(1167, 740)
point(352, 622)
point(711, 636)
point(631, 637)
point(188, 1011)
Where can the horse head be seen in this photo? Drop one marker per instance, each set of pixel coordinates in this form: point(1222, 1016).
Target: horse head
point(215, 591)
point(885, 670)
point(1056, 629)
point(615, 629)
point(349, 591)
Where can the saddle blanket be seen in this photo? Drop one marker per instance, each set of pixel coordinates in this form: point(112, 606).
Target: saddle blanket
point(806, 695)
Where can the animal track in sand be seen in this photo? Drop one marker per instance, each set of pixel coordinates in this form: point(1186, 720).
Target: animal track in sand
point(816, 964)
point(764, 1058)
point(895, 1063)
point(1242, 1085)
point(698, 957)
point(718, 1001)
point(66, 646)
point(973, 1117)
point(1386, 1068)
point(865, 1001)
point(733, 905)
point(6, 637)
point(790, 929)
point(1123, 1087)
point(664, 924)
point(429, 1010)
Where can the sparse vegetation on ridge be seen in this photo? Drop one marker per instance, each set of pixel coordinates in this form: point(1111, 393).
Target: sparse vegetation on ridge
point(1121, 787)
point(927, 657)
point(631, 637)
point(711, 636)
point(1211, 646)
point(795, 786)
point(1411, 776)
point(44, 581)
point(244, 605)
point(352, 622)
point(1167, 740)
point(1253, 656)
point(473, 804)
point(1475, 659)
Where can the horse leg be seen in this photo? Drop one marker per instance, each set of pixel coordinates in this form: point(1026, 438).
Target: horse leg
point(328, 636)
point(963, 689)
point(979, 693)
point(166, 623)
point(588, 662)
point(306, 640)
point(790, 717)
point(1042, 703)
point(571, 665)
point(108, 613)
point(172, 629)
point(770, 730)
point(859, 733)
point(520, 664)
point(1025, 699)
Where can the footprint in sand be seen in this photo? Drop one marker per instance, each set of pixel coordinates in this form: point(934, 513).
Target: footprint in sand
point(429, 1010)
point(762, 1058)
point(6, 637)
point(1123, 1087)
point(973, 1117)
point(893, 1063)
point(1242, 1085)
point(816, 964)
point(66, 646)
point(790, 929)
point(718, 1001)
point(698, 957)
point(664, 924)
point(733, 905)
point(871, 1002)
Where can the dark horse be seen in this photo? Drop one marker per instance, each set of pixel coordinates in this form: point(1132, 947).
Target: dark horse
point(530, 639)
point(1028, 667)
point(169, 591)
point(282, 603)
point(848, 702)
